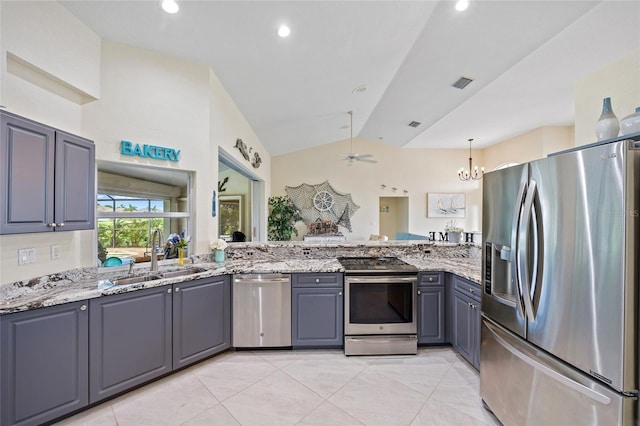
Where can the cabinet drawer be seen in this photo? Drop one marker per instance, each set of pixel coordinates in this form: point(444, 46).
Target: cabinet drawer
point(467, 287)
point(317, 280)
point(430, 278)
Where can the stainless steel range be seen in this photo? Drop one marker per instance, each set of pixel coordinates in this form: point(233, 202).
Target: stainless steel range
point(380, 306)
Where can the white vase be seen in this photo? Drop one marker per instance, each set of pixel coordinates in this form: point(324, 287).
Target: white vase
point(454, 237)
point(631, 123)
point(608, 125)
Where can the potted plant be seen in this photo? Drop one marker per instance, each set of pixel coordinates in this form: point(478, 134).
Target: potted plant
point(283, 216)
point(180, 242)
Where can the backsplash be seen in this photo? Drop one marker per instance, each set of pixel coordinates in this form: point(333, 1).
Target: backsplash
point(291, 250)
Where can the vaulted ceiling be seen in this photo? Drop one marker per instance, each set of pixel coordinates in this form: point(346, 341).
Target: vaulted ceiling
point(523, 57)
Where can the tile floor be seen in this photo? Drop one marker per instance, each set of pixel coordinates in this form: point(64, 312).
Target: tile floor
point(312, 387)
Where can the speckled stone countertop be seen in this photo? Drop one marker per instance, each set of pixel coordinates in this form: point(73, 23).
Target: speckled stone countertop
point(82, 284)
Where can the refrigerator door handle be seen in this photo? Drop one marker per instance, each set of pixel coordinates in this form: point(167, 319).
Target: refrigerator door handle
point(515, 224)
point(566, 381)
point(522, 258)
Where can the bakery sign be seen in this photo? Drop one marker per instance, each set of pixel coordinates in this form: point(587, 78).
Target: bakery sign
point(149, 151)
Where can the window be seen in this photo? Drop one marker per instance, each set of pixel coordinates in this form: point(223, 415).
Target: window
point(134, 201)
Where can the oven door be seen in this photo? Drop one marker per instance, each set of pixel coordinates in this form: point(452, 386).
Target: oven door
point(380, 305)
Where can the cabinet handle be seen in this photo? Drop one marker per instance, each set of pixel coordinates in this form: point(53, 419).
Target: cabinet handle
point(169, 290)
point(469, 304)
point(60, 225)
point(51, 225)
point(83, 307)
point(340, 293)
point(419, 292)
point(430, 278)
point(177, 289)
point(317, 280)
point(470, 290)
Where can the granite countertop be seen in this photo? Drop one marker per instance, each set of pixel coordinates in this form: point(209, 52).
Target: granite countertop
point(77, 285)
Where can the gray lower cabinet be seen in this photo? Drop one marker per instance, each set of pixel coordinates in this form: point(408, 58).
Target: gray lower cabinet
point(43, 363)
point(465, 316)
point(47, 178)
point(129, 340)
point(317, 310)
point(431, 308)
point(201, 319)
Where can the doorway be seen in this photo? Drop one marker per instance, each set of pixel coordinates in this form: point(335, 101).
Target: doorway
point(240, 200)
point(394, 216)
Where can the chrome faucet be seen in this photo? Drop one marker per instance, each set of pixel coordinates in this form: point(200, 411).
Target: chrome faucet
point(154, 253)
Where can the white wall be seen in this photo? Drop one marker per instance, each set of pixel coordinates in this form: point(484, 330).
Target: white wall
point(619, 81)
point(418, 171)
point(537, 143)
point(46, 35)
point(153, 99)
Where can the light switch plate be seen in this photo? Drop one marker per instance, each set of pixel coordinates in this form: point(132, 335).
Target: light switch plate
point(32, 255)
point(55, 251)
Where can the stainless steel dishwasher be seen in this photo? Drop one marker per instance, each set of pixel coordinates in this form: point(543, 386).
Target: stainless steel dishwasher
point(261, 310)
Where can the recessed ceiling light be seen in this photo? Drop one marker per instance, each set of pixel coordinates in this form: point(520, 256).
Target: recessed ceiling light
point(170, 6)
point(462, 5)
point(360, 89)
point(283, 31)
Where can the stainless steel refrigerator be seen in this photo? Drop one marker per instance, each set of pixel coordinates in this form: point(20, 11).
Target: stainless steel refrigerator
point(559, 341)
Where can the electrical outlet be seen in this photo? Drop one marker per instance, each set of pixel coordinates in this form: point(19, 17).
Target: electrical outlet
point(26, 256)
point(23, 256)
point(55, 251)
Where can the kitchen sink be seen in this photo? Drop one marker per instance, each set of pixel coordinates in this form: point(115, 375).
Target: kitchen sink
point(181, 272)
point(140, 279)
point(158, 276)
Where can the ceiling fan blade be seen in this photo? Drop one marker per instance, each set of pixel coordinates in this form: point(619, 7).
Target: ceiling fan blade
point(364, 160)
point(364, 156)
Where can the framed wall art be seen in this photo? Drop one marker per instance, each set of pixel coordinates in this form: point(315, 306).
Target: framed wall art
point(445, 204)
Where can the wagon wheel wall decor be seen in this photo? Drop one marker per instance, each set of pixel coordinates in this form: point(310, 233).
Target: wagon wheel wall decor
point(322, 202)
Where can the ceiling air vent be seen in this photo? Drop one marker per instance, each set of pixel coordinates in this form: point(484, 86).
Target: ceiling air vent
point(462, 83)
point(414, 124)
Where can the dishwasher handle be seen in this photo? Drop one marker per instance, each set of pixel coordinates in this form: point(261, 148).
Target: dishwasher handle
point(265, 278)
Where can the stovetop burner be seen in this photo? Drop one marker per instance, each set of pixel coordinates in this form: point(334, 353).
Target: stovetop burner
point(384, 264)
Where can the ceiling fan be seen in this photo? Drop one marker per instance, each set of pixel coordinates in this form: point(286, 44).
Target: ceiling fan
point(351, 157)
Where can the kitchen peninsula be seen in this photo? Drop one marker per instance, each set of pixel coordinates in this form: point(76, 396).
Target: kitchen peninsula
point(103, 342)
point(242, 258)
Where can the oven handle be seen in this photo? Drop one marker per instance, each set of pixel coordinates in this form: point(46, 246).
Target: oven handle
point(384, 279)
point(375, 339)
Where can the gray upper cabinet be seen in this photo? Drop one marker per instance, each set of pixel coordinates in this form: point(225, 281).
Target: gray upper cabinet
point(43, 364)
point(75, 200)
point(201, 319)
point(130, 340)
point(317, 310)
point(48, 178)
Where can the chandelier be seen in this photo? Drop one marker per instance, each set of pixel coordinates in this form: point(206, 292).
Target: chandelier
point(472, 173)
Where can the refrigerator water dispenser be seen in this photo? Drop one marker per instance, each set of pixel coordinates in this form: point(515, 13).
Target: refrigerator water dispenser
point(498, 281)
